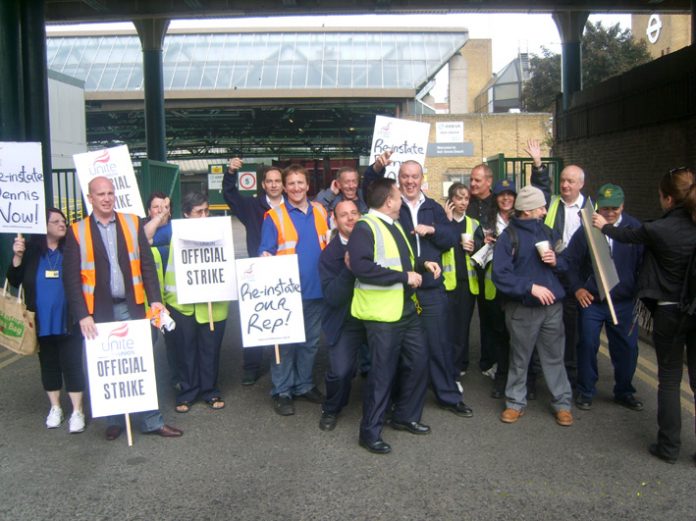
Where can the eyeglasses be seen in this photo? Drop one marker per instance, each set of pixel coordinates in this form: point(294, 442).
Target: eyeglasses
point(677, 170)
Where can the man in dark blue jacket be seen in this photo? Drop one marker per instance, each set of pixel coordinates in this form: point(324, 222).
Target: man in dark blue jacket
point(431, 234)
point(344, 333)
point(524, 265)
point(623, 337)
point(250, 211)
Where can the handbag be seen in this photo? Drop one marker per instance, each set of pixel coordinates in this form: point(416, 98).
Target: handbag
point(17, 324)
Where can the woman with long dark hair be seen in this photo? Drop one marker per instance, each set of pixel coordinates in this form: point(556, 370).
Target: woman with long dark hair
point(670, 241)
point(37, 265)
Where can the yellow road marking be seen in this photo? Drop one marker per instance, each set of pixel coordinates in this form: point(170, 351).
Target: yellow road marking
point(651, 378)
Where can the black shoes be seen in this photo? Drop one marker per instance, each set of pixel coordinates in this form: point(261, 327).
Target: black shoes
point(313, 395)
point(629, 401)
point(375, 447)
point(412, 427)
point(654, 449)
point(250, 377)
point(283, 405)
point(460, 409)
point(496, 394)
point(583, 403)
point(328, 421)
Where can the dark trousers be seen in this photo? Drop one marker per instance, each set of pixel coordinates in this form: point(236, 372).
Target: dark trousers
point(440, 353)
point(60, 357)
point(197, 357)
point(398, 354)
point(461, 305)
point(486, 324)
point(623, 347)
point(343, 364)
point(252, 358)
point(672, 330)
point(570, 323)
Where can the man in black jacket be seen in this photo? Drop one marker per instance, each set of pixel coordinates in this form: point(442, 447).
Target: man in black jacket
point(250, 211)
point(431, 234)
point(344, 333)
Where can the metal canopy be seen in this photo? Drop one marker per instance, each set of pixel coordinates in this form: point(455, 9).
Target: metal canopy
point(58, 11)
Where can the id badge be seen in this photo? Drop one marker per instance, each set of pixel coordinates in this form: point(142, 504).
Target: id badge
point(52, 274)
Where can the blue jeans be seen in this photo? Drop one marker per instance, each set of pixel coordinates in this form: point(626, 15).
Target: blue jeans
point(623, 347)
point(293, 375)
point(149, 420)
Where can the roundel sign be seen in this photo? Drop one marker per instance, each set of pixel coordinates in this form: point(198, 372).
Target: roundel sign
point(654, 28)
point(247, 181)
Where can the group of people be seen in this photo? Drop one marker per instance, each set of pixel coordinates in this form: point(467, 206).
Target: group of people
point(389, 274)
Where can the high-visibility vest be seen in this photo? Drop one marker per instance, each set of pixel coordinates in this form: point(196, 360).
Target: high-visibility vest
point(83, 234)
point(550, 219)
point(489, 289)
point(157, 257)
point(381, 303)
point(449, 265)
point(200, 310)
point(287, 234)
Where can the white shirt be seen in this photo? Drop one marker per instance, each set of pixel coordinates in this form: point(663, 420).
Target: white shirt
point(572, 218)
point(413, 208)
point(609, 239)
point(381, 215)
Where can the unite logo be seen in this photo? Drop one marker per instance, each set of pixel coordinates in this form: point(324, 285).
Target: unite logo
point(386, 130)
point(102, 165)
point(117, 339)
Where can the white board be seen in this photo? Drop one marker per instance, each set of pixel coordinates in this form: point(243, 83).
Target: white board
point(121, 369)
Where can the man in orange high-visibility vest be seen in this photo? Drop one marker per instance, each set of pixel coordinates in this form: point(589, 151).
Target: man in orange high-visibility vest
point(298, 226)
point(108, 270)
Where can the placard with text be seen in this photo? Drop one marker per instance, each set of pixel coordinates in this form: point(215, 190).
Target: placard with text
point(408, 140)
point(114, 163)
point(121, 369)
point(22, 199)
point(203, 257)
point(270, 301)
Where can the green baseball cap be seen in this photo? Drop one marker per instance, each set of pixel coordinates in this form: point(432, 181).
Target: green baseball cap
point(610, 196)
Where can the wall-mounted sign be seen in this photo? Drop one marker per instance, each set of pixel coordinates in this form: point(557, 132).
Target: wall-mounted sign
point(654, 28)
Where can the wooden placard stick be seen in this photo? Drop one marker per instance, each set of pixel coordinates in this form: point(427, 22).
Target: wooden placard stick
point(129, 432)
point(277, 354)
point(210, 316)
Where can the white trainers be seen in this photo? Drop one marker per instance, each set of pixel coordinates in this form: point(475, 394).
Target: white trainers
point(54, 418)
point(490, 373)
point(76, 423)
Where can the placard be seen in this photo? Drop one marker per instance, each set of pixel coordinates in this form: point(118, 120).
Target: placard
point(270, 301)
point(408, 140)
point(203, 256)
point(22, 197)
point(121, 369)
point(114, 163)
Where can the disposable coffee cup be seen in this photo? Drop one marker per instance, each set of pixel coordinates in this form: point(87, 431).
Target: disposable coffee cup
point(542, 247)
point(466, 237)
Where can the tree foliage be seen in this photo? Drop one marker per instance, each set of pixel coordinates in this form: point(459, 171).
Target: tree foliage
point(606, 52)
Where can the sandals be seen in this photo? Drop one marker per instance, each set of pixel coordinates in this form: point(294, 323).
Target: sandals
point(216, 403)
point(183, 407)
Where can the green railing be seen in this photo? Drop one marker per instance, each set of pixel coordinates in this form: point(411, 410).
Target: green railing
point(519, 169)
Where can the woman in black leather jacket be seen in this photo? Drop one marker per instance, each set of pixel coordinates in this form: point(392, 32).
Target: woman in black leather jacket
point(670, 241)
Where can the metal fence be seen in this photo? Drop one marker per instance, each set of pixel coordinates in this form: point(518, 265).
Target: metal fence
point(519, 170)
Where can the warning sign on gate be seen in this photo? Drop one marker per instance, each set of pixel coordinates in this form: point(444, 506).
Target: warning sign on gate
point(247, 181)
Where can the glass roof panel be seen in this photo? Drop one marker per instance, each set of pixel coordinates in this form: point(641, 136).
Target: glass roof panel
point(271, 60)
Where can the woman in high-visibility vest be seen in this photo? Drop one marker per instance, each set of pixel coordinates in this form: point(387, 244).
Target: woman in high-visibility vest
point(197, 345)
point(459, 276)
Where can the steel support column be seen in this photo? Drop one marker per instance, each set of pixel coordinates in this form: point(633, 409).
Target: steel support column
point(570, 26)
point(151, 33)
point(36, 85)
point(11, 76)
point(693, 22)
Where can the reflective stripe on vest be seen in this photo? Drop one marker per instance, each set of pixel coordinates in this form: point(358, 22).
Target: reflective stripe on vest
point(83, 234)
point(287, 234)
point(200, 310)
point(449, 267)
point(550, 219)
point(488, 286)
point(381, 303)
